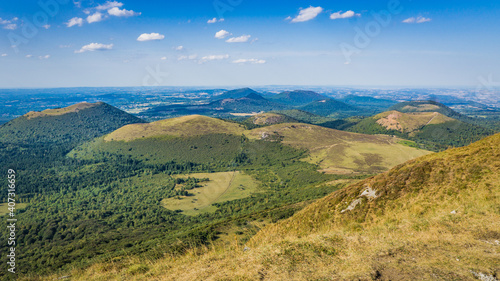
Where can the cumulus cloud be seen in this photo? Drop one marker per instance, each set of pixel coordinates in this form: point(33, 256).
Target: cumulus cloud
point(417, 20)
point(252, 61)
point(109, 5)
point(122, 13)
point(150, 36)
point(179, 48)
point(29, 56)
point(4, 55)
point(240, 39)
point(94, 47)
point(190, 57)
point(47, 26)
point(44, 57)
point(214, 20)
point(9, 24)
point(213, 57)
point(96, 17)
point(221, 34)
point(346, 15)
point(75, 21)
point(307, 14)
point(163, 58)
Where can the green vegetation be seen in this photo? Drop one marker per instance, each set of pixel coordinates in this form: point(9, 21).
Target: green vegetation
point(69, 125)
point(340, 152)
point(435, 217)
point(432, 131)
point(4, 208)
point(332, 108)
point(218, 188)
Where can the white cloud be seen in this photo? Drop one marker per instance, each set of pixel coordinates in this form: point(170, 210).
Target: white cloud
point(96, 17)
point(150, 36)
point(222, 34)
point(47, 26)
point(307, 14)
point(10, 26)
point(417, 20)
point(4, 55)
point(44, 57)
point(214, 20)
point(346, 15)
point(253, 61)
point(164, 58)
point(122, 13)
point(179, 48)
point(74, 21)
point(29, 56)
point(190, 57)
point(94, 47)
point(214, 57)
point(109, 5)
point(240, 39)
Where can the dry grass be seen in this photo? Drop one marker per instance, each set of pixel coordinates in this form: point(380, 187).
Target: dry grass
point(341, 152)
point(433, 218)
point(221, 187)
point(409, 122)
point(60, 111)
point(186, 126)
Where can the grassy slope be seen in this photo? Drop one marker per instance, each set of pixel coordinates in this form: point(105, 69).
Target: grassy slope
point(186, 126)
point(80, 122)
point(221, 187)
point(341, 152)
point(409, 122)
point(432, 218)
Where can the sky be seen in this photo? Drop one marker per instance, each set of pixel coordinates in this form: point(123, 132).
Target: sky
point(94, 43)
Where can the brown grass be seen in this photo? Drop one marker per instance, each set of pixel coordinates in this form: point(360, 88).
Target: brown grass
point(60, 111)
point(433, 218)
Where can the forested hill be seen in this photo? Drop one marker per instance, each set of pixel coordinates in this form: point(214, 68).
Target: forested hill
point(76, 123)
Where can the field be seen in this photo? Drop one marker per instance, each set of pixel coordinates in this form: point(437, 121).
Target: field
point(221, 187)
point(186, 126)
point(341, 152)
point(4, 207)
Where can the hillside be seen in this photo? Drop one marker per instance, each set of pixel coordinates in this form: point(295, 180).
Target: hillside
point(297, 97)
point(432, 130)
point(185, 126)
point(340, 152)
point(331, 108)
point(425, 106)
point(235, 94)
point(76, 123)
point(250, 103)
point(432, 218)
point(368, 103)
point(199, 139)
point(269, 118)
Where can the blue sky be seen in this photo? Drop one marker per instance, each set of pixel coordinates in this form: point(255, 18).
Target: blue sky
point(64, 43)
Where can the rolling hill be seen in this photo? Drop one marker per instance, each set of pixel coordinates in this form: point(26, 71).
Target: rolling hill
point(195, 138)
point(76, 123)
point(368, 103)
point(251, 103)
point(425, 106)
point(297, 97)
point(235, 94)
point(331, 108)
point(269, 118)
point(432, 218)
point(340, 152)
point(433, 129)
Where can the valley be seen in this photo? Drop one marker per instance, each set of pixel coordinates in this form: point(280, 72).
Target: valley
point(236, 169)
